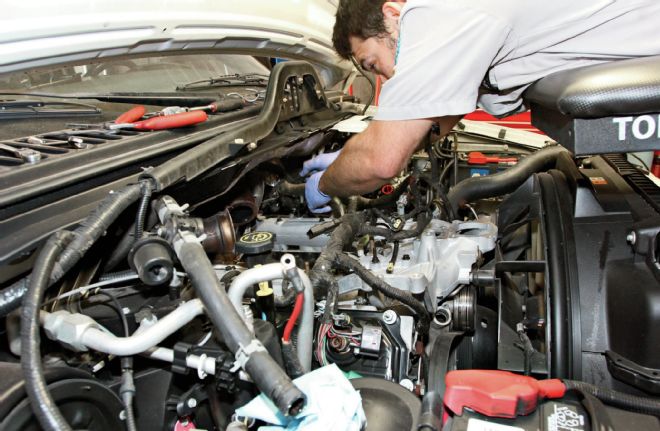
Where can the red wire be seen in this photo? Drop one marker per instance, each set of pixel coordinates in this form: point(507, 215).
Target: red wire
point(297, 308)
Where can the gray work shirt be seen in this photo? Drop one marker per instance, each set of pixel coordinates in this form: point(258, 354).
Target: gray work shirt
point(455, 55)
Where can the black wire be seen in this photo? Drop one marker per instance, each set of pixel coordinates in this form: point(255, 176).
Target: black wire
point(347, 262)
point(44, 406)
point(395, 254)
point(117, 306)
point(371, 83)
point(126, 362)
point(641, 161)
point(142, 210)
point(640, 404)
point(445, 171)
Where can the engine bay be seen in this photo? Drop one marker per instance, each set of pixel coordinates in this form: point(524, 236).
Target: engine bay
point(204, 281)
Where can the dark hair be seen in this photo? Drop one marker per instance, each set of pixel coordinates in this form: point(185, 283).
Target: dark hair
point(361, 18)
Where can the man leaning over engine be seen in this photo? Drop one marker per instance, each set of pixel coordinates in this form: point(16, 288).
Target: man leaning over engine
point(443, 58)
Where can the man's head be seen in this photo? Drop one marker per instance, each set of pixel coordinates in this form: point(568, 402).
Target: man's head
point(368, 30)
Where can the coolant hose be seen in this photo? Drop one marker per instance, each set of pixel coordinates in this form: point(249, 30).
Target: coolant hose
point(43, 405)
point(644, 405)
point(273, 271)
point(503, 182)
point(380, 285)
point(271, 380)
point(89, 231)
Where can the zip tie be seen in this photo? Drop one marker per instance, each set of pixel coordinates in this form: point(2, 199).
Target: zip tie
point(243, 354)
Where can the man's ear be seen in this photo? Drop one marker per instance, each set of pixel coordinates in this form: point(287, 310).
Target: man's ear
point(392, 9)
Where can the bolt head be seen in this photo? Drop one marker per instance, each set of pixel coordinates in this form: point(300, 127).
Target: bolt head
point(389, 317)
point(191, 403)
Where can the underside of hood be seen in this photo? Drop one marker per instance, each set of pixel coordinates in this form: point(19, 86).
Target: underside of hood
point(44, 33)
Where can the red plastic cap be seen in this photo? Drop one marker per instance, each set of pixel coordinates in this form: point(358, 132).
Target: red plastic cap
point(387, 189)
point(497, 393)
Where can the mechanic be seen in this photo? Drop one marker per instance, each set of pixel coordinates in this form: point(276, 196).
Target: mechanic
point(440, 59)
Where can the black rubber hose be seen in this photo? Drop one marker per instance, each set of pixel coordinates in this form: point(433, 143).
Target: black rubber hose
point(95, 225)
point(291, 362)
point(89, 231)
point(42, 403)
point(11, 296)
point(430, 416)
point(120, 252)
point(141, 215)
point(644, 405)
point(504, 182)
point(271, 380)
point(380, 285)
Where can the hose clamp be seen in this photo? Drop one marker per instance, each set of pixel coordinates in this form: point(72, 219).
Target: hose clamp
point(243, 353)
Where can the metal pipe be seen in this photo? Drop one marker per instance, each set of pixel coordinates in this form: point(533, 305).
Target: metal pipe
point(204, 364)
point(305, 343)
point(252, 276)
point(89, 334)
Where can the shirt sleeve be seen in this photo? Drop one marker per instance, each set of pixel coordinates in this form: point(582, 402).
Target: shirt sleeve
point(445, 51)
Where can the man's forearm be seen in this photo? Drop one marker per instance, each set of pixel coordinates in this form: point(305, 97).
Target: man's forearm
point(376, 155)
point(352, 173)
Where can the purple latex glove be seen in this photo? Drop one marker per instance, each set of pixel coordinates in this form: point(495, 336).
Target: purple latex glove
point(318, 163)
point(315, 198)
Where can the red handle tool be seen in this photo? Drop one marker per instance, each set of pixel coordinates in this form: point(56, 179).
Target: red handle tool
point(132, 115)
point(478, 158)
point(173, 121)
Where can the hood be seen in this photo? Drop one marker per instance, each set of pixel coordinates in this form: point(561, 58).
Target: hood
point(44, 33)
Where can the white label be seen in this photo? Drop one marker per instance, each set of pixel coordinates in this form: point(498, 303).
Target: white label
point(565, 418)
point(641, 128)
point(479, 425)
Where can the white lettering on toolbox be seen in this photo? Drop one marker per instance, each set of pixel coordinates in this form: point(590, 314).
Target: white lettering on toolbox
point(643, 127)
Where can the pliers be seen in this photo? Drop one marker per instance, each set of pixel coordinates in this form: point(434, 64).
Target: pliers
point(129, 120)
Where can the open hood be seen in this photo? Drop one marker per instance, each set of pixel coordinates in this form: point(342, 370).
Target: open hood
point(44, 33)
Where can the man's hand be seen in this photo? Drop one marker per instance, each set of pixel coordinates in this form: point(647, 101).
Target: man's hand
point(373, 157)
point(318, 163)
point(316, 199)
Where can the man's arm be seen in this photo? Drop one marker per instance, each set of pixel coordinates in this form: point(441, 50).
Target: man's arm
point(374, 156)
